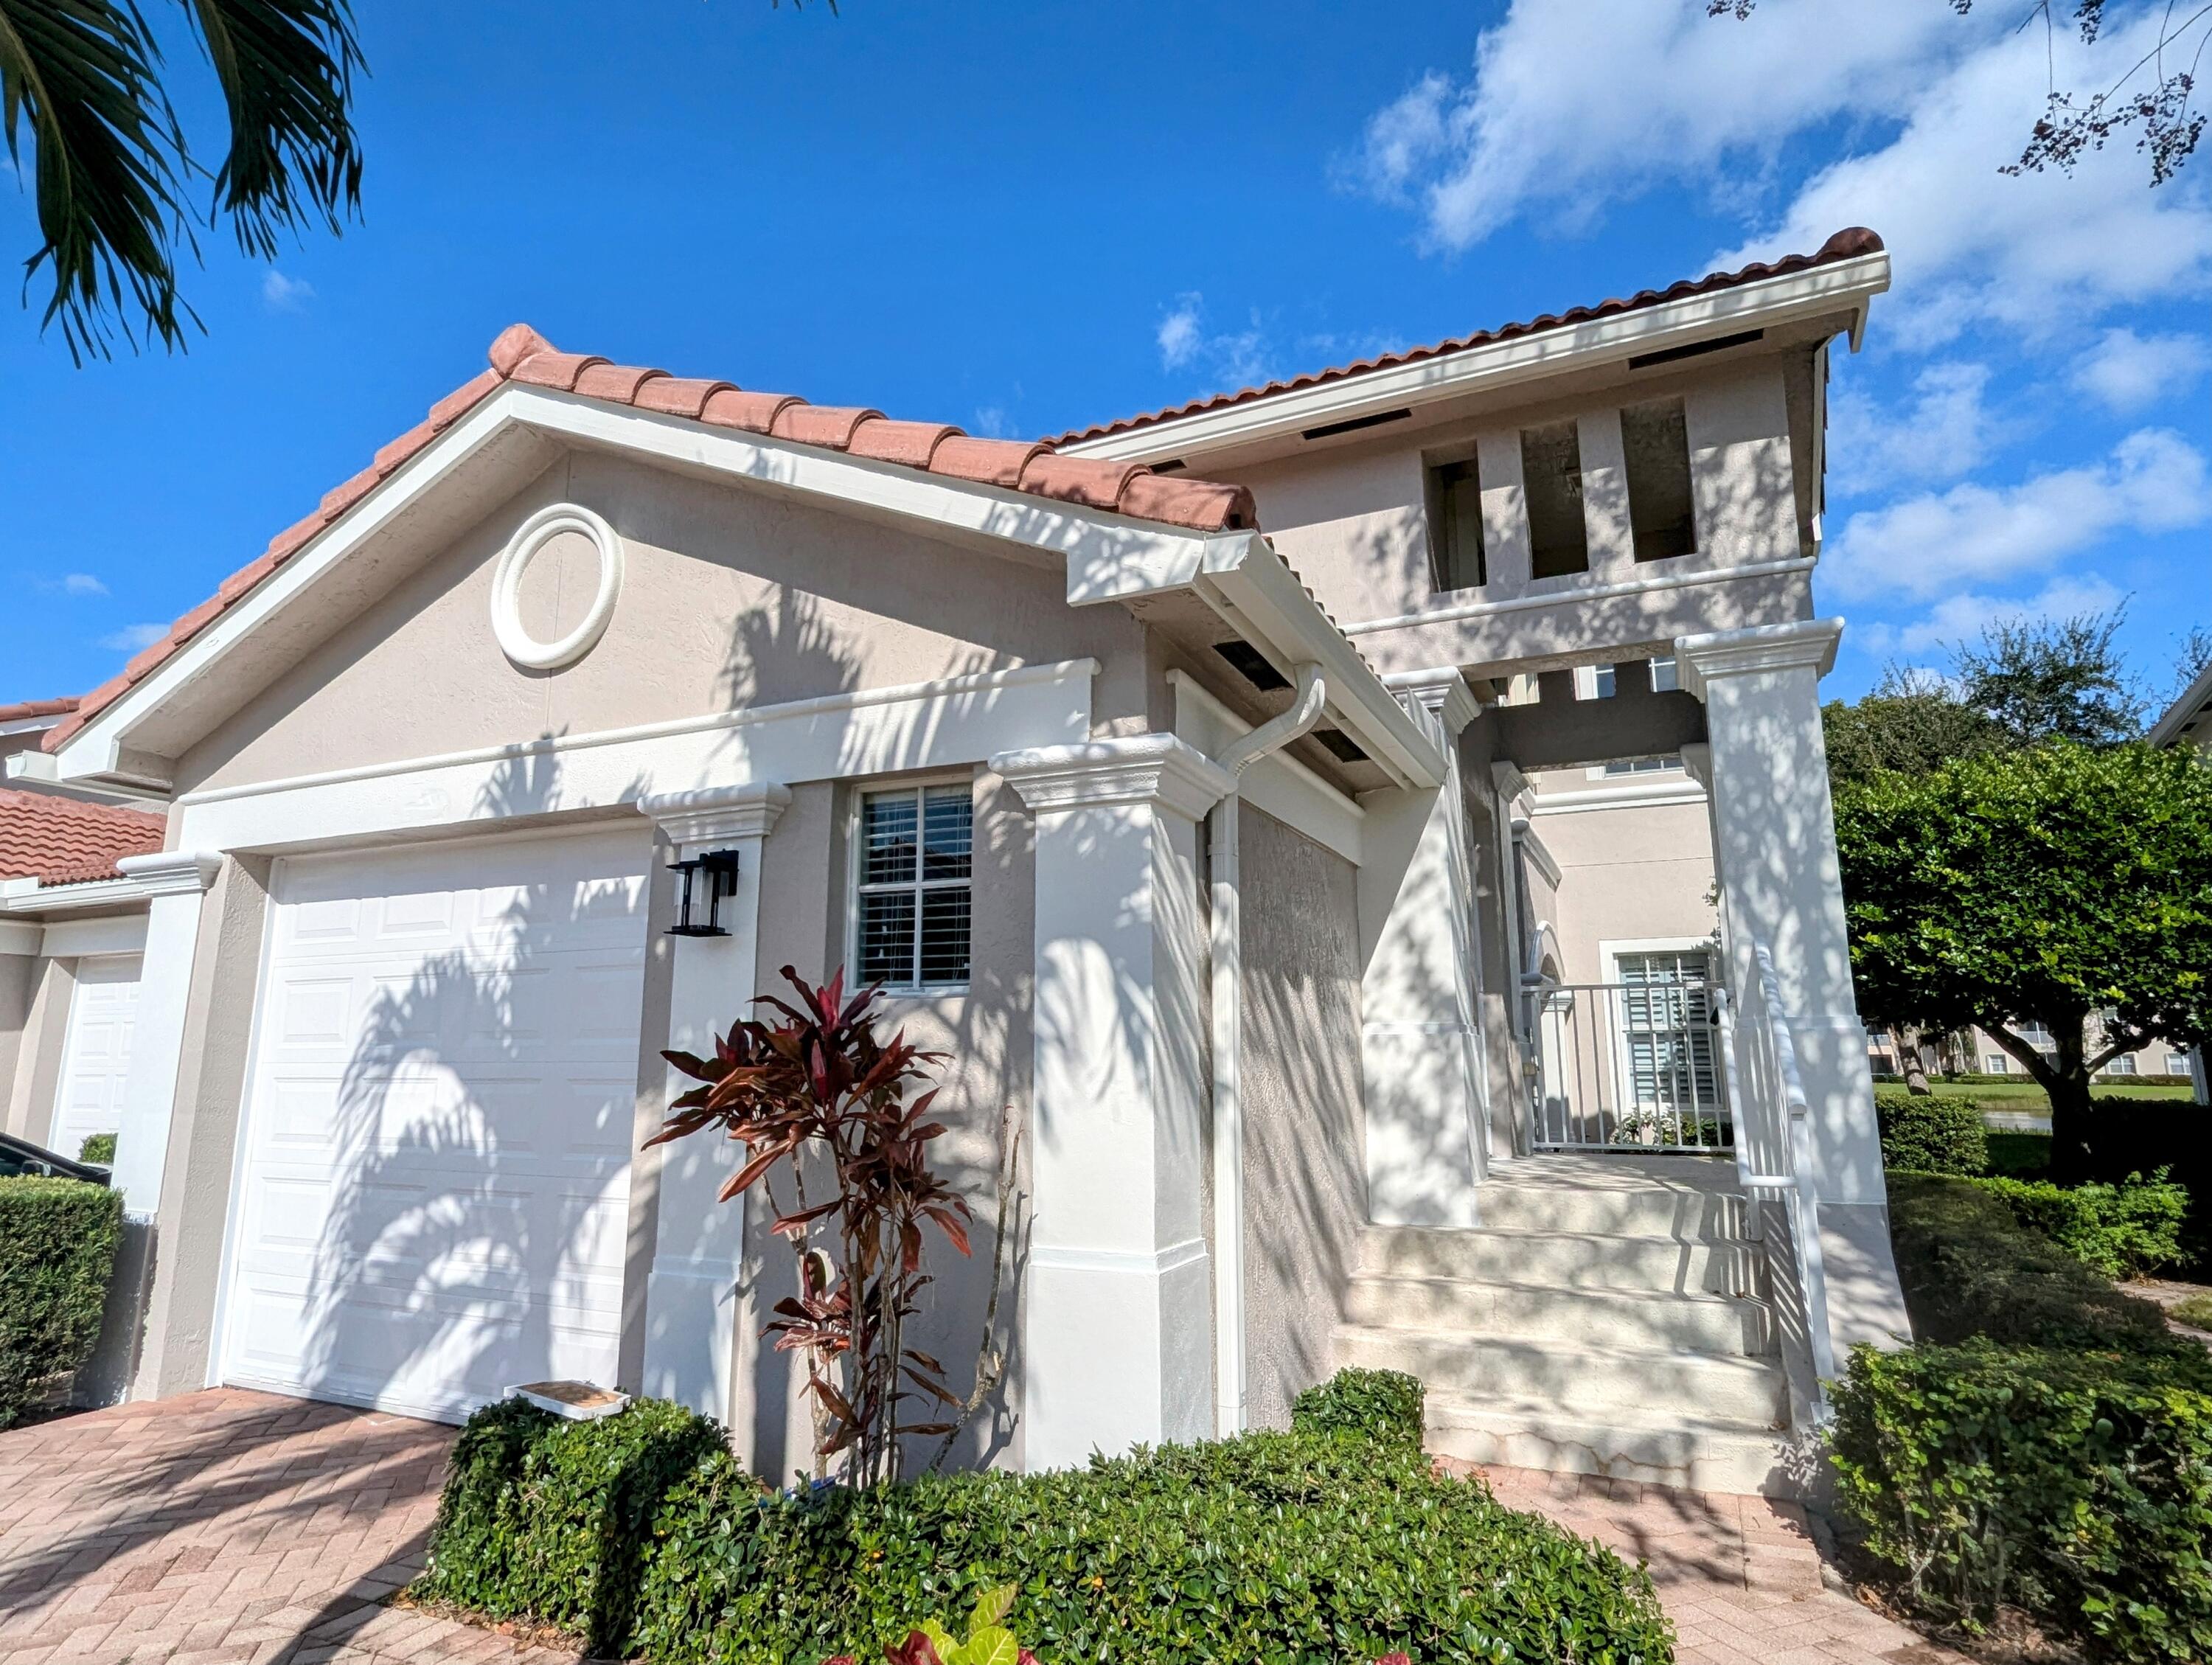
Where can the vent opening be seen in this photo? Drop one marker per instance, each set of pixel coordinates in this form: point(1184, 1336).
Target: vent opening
point(1695, 349)
point(1249, 663)
point(1353, 424)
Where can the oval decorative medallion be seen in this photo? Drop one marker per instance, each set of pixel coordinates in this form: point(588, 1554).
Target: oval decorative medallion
point(530, 538)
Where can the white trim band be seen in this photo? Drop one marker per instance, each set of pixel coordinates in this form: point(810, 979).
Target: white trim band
point(1453, 612)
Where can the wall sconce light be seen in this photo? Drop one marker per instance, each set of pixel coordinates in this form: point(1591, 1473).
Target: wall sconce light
point(716, 876)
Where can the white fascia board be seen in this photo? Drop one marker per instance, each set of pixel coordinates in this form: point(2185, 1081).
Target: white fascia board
point(1098, 542)
point(26, 896)
point(1278, 783)
point(1629, 794)
point(2184, 711)
point(1765, 304)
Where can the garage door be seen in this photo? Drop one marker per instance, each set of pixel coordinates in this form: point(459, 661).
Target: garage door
point(433, 1205)
point(96, 1057)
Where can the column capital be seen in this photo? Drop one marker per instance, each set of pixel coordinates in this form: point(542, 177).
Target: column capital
point(1143, 769)
point(1807, 645)
point(170, 873)
point(1442, 691)
point(1697, 764)
point(715, 815)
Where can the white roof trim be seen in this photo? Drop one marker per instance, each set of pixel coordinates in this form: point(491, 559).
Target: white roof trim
point(2184, 711)
point(1764, 303)
point(28, 896)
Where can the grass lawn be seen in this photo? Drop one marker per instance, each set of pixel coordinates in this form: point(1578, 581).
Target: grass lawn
point(2026, 1096)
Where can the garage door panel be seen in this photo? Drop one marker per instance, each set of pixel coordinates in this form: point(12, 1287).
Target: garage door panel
point(95, 1052)
point(439, 1137)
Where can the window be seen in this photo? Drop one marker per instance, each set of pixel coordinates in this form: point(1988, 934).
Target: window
point(2036, 1035)
point(1666, 678)
point(1458, 539)
point(1996, 1064)
point(1655, 438)
point(1552, 483)
point(1602, 685)
point(1641, 765)
point(2177, 1063)
point(1667, 1031)
point(911, 913)
point(2122, 1065)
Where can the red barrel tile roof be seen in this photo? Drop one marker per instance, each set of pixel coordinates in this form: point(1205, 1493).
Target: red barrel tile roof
point(24, 710)
point(521, 355)
point(59, 840)
point(1845, 245)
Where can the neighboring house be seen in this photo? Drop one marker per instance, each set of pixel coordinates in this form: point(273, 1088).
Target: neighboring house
point(1181, 779)
point(2188, 721)
point(72, 928)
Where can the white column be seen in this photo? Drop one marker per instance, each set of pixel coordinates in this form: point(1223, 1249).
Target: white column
point(691, 1305)
point(176, 882)
point(1766, 772)
point(1118, 1332)
point(1420, 1046)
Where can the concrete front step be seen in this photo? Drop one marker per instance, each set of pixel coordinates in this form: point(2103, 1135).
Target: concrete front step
point(1577, 1379)
point(1616, 1210)
point(1565, 1260)
point(1668, 1447)
point(1667, 1319)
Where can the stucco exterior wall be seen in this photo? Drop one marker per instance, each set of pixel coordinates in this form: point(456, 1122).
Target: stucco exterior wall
point(19, 988)
point(1304, 1173)
point(730, 598)
point(1632, 872)
point(36, 1075)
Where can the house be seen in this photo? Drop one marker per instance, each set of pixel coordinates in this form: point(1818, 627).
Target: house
point(2188, 721)
point(72, 928)
point(1176, 777)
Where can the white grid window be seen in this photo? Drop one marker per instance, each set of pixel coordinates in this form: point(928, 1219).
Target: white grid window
point(911, 909)
point(1998, 1064)
point(2122, 1065)
point(2177, 1063)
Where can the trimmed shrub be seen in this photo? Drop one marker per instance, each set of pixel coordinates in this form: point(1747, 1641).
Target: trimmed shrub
point(98, 1147)
point(1275, 1546)
point(1295, 1547)
point(2078, 1486)
point(2122, 1230)
point(550, 1520)
point(1931, 1135)
point(58, 1243)
point(1385, 1406)
point(1969, 1268)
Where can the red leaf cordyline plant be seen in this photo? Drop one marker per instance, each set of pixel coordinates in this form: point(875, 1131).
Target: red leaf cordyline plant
point(814, 1082)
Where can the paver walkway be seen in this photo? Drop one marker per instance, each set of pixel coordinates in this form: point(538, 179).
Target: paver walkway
point(237, 1529)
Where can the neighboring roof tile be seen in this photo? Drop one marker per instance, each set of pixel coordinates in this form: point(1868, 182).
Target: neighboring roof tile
point(1845, 245)
point(520, 354)
point(58, 840)
point(24, 710)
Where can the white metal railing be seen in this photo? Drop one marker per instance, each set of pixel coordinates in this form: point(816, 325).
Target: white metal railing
point(1774, 1140)
point(1626, 1067)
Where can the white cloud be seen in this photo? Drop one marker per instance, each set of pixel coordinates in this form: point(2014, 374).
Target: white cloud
point(991, 421)
point(2126, 372)
point(1932, 544)
point(82, 584)
point(285, 295)
point(1964, 616)
point(133, 637)
point(1179, 333)
point(1945, 431)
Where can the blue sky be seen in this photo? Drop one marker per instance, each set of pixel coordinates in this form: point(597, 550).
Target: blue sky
point(1022, 218)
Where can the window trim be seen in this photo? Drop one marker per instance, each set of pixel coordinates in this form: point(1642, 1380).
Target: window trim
point(855, 821)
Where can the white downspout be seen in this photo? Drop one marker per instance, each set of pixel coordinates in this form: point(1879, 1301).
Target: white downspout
point(1228, 966)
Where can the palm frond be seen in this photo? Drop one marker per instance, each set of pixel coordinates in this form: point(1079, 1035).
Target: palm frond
point(80, 77)
point(286, 69)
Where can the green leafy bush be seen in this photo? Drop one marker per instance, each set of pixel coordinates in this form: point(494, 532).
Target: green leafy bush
point(1277, 1547)
point(1386, 1405)
point(98, 1148)
point(2076, 1485)
point(1969, 1267)
point(2122, 1230)
point(547, 1519)
point(58, 1243)
point(1931, 1135)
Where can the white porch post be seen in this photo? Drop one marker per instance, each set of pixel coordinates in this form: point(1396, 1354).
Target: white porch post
point(691, 1303)
point(1118, 1331)
point(1427, 1098)
point(176, 882)
point(1766, 772)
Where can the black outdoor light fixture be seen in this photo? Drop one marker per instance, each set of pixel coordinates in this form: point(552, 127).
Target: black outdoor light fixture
point(719, 869)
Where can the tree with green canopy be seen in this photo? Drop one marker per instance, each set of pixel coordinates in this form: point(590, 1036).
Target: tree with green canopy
point(2061, 883)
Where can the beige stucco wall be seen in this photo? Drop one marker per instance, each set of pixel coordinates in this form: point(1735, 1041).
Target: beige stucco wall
point(19, 989)
point(1632, 872)
point(730, 598)
point(1305, 1187)
point(35, 1076)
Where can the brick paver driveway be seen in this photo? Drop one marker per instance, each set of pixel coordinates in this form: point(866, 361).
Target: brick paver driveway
point(224, 1528)
point(238, 1529)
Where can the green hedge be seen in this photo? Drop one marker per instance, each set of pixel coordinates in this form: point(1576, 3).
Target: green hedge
point(549, 1519)
point(58, 1243)
point(1931, 1135)
point(98, 1148)
point(2078, 1486)
point(1969, 1267)
point(1293, 1547)
point(1385, 1406)
point(2121, 1230)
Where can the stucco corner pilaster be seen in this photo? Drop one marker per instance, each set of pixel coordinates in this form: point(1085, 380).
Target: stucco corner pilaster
point(701, 816)
point(170, 873)
point(1807, 645)
point(1155, 769)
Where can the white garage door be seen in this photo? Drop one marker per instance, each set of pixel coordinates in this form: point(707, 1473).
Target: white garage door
point(433, 1205)
point(96, 1056)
